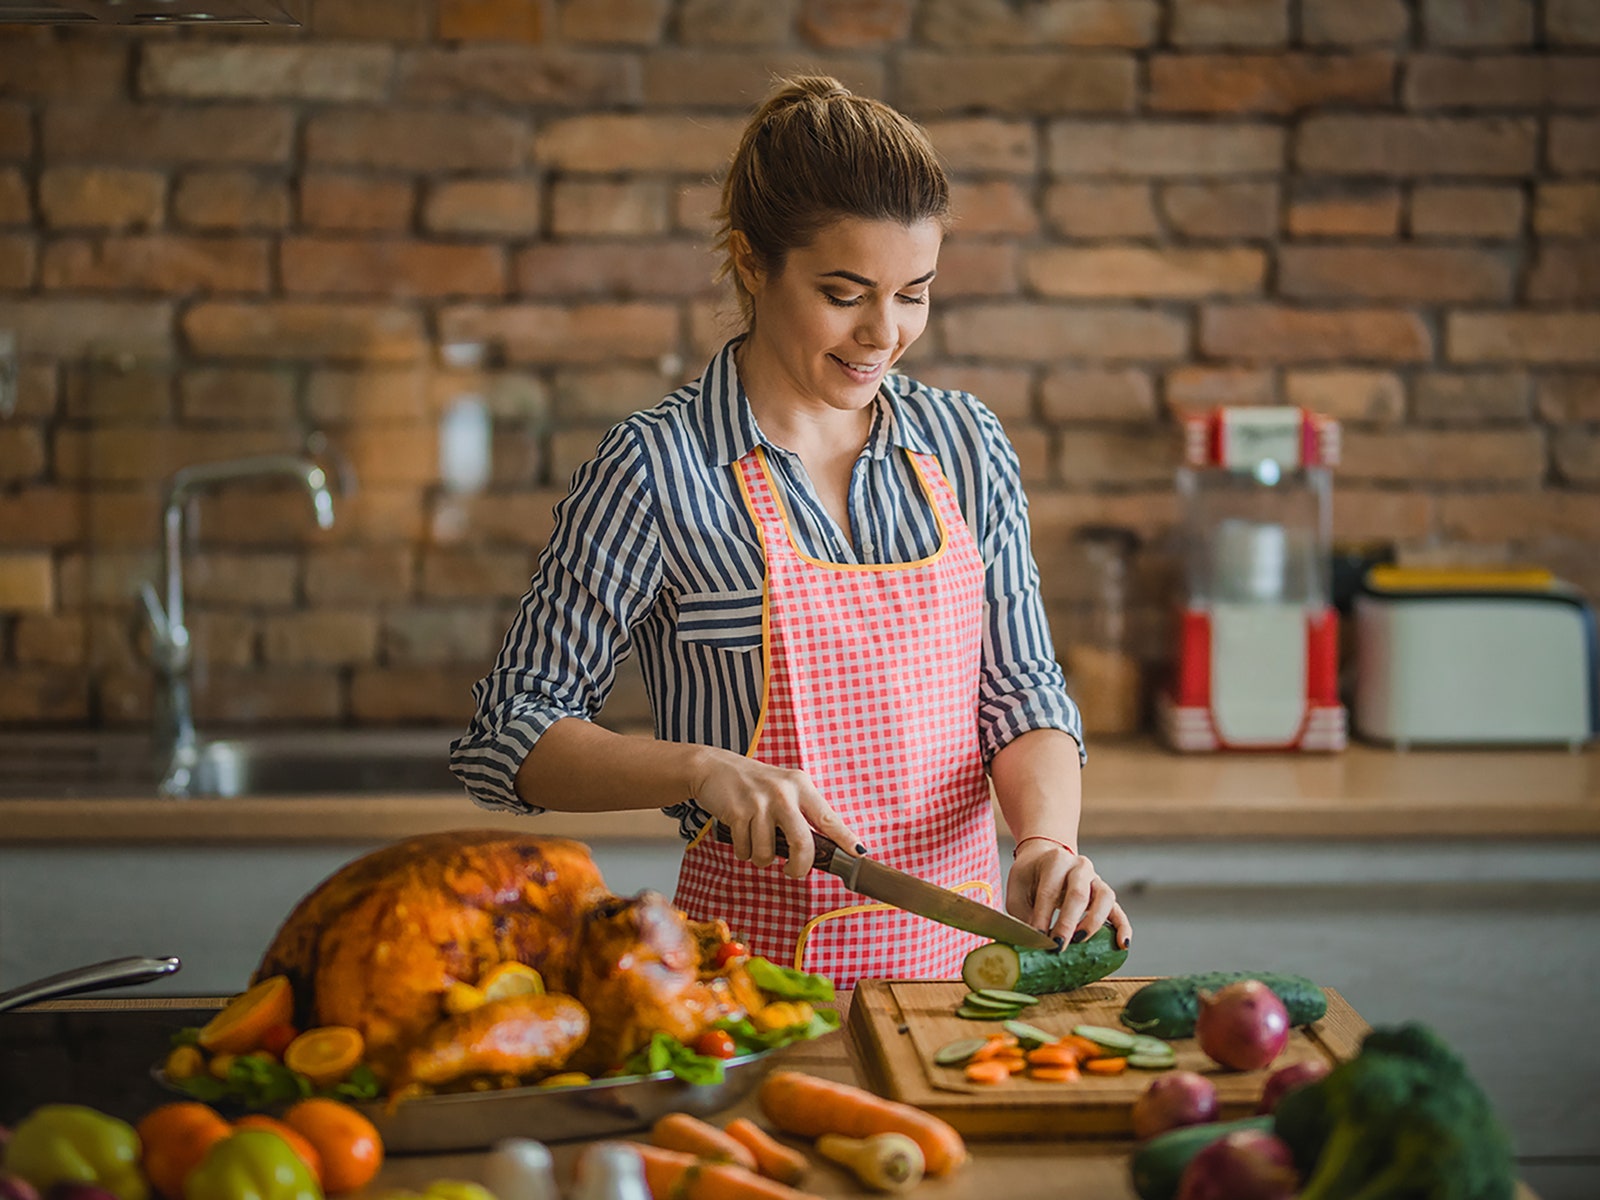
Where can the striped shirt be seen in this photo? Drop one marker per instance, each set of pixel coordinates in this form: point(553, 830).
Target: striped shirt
point(653, 553)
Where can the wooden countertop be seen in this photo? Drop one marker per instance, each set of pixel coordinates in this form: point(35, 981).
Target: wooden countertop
point(1133, 791)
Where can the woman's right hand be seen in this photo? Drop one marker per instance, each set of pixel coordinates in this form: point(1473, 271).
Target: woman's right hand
point(753, 799)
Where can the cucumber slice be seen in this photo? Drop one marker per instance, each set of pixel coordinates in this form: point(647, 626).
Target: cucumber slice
point(1105, 1037)
point(1152, 1047)
point(979, 1000)
point(1029, 1035)
point(1153, 1062)
point(958, 1052)
point(1015, 999)
point(996, 966)
point(967, 1013)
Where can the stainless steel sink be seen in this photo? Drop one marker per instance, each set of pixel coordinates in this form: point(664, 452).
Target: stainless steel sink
point(303, 763)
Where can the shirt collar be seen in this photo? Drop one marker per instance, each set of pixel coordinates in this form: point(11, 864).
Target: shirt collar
point(729, 431)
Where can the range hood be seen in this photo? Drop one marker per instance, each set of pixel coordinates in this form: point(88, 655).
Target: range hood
point(149, 12)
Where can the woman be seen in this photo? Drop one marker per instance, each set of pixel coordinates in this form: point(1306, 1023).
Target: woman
point(825, 570)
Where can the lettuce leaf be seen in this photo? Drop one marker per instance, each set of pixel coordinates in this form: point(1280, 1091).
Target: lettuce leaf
point(786, 983)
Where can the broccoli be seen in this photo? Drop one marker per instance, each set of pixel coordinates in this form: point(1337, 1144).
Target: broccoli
point(1403, 1120)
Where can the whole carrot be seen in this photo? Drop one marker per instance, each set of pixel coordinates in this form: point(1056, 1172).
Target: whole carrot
point(773, 1158)
point(673, 1175)
point(810, 1107)
point(691, 1135)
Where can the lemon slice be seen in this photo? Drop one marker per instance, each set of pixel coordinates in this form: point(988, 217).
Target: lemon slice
point(462, 997)
point(507, 979)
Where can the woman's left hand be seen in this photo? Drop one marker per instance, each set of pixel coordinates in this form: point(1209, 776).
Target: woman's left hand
point(1060, 892)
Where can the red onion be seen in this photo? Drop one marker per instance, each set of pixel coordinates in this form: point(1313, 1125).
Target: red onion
point(1285, 1079)
point(1243, 1026)
point(1245, 1165)
point(1173, 1099)
point(15, 1187)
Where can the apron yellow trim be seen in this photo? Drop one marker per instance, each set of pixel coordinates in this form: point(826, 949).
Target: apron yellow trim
point(700, 834)
point(827, 564)
point(981, 885)
point(766, 610)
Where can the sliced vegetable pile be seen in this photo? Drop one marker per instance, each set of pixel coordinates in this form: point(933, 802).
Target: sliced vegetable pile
point(187, 1151)
point(1024, 1050)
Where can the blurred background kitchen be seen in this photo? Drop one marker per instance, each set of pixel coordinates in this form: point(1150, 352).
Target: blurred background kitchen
point(408, 260)
point(442, 244)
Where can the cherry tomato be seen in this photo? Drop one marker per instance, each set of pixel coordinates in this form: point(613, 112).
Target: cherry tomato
point(729, 951)
point(716, 1043)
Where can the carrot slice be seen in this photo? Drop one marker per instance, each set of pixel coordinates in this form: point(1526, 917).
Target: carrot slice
point(1054, 1054)
point(1106, 1066)
point(1055, 1074)
point(1085, 1048)
point(988, 1072)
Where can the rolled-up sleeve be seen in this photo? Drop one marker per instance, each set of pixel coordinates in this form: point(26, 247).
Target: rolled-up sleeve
point(599, 574)
point(1022, 686)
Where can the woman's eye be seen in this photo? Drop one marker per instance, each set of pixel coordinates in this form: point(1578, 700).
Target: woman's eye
point(841, 301)
point(920, 299)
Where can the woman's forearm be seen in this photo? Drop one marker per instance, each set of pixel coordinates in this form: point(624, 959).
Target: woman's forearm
point(578, 766)
point(1038, 782)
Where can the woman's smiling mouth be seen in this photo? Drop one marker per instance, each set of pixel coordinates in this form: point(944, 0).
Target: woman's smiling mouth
point(861, 372)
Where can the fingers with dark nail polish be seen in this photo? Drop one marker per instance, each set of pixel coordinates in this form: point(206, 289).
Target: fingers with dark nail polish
point(1078, 935)
point(860, 849)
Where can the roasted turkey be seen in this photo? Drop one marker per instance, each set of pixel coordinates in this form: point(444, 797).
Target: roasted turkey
point(382, 942)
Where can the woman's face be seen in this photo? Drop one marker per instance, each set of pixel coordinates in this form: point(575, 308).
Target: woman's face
point(842, 311)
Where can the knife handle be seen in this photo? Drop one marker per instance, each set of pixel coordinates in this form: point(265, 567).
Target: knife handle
point(825, 846)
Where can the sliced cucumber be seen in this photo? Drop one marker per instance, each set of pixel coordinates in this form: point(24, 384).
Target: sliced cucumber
point(1154, 1047)
point(958, 1052)
point(1153, 1062)
point(967, 1013)
point(1014, 999)
point(979, 1000)
point(1105, 1037)
point(996, 967)
point(1029, 1035)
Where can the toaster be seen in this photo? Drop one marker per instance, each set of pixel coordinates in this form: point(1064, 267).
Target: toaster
point(1458, 657)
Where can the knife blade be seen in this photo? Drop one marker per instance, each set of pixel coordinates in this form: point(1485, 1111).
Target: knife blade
point(868, 877)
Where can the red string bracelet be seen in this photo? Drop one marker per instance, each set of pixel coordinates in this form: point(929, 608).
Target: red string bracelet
point(1039, 837)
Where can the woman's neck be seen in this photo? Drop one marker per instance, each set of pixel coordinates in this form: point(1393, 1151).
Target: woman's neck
point(812, 430)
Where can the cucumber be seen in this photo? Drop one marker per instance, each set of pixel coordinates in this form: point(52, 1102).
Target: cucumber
point(1030, 1036)
point(1015, 999)
point(1166, 1008)
point(956, 1053)
point(1112, 1040)
point(979, 1000)
point(1158, 1165)
point(1001, 967)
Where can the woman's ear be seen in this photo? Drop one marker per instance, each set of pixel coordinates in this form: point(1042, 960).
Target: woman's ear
point(745, 261)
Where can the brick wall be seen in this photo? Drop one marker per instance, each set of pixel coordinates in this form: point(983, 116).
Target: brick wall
point(216, 244)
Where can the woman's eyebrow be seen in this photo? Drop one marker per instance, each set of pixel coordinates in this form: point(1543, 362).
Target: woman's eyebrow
point(871, 283)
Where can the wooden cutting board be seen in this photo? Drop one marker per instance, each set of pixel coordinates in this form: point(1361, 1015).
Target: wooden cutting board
point(896, 1027)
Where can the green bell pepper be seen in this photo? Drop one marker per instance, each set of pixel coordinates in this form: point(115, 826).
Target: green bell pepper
point(72, 1143)
point(253, 1164)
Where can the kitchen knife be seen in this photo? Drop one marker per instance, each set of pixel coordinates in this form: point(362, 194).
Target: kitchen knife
point(870, 878)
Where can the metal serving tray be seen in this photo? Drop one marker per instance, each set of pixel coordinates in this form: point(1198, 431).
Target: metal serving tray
point(473, 1120)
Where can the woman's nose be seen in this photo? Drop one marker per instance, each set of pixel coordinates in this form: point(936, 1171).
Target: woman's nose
point(876, 329)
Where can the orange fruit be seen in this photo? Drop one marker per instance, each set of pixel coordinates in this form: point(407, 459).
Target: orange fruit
point(247, 1017)
point(174, 1138)
point(303, 1148)
point(351, 1149)
point(326, 1054)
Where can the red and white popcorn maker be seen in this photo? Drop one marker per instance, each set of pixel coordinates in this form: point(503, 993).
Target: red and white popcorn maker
point(1257, 657)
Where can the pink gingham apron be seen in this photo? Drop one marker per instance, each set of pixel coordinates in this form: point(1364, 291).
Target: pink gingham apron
point(872, 690)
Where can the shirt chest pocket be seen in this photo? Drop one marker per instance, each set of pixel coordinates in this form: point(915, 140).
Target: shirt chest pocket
point(721, 620)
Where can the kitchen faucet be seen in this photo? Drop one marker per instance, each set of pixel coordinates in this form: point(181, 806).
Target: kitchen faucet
point(175, 739)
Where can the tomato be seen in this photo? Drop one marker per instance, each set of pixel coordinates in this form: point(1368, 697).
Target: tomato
point(716, 1043)
point(729, 951)
point(351, 1149)
point(175, 1137)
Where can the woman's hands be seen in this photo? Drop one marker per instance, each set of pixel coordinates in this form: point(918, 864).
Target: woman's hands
point(1055, 890)
point(753, 799)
